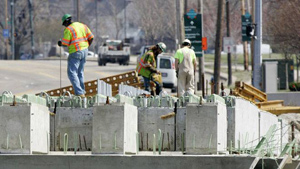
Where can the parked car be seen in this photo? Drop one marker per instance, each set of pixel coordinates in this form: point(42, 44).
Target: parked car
point(166, 65)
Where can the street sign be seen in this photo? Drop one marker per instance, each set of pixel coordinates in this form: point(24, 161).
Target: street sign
point(193, 30)
point(228, 44)
point(5, 33)
point(246, 20)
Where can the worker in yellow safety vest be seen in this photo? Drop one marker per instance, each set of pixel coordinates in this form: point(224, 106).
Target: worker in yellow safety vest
point(147, 66)
point(185, 64)
point(77, 37)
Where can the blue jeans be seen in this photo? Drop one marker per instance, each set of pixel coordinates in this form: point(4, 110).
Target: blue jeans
point(147, 85)
point(76, 63)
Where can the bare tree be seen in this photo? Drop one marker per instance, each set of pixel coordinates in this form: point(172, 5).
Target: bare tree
point(156, 19)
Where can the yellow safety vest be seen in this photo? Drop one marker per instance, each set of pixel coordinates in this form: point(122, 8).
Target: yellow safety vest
point(144, 63)
point(76, 37)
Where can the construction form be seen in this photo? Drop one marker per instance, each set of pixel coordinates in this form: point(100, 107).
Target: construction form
point(123, 126)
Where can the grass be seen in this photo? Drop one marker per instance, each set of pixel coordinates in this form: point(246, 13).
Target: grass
point(239, 58)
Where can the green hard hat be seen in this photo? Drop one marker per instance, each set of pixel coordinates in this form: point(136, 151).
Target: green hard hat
point(66, 16)
point(162, 46)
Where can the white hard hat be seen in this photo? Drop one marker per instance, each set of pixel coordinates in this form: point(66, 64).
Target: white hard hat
point(187, 41)
point(162, 46)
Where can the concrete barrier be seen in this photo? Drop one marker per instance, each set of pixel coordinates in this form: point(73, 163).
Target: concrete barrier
point(24, 129)
point(149, 122)
point(77, 124)
point(115, 129)
point(206, 128)
point(243, 123)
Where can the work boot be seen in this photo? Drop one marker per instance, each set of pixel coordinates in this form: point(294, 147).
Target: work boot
point(84, 101)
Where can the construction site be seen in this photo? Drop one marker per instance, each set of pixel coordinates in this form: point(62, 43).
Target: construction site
point(143, 84)
point(123, 126)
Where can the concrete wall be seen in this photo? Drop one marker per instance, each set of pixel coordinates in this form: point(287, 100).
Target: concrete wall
point(77, 124)
point(114, 128)
point(123, 162)
point(206, 128)
point(290, 98)
point(25, 125)
point(243, 124)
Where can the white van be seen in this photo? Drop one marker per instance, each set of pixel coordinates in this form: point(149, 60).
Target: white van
point(166, 65)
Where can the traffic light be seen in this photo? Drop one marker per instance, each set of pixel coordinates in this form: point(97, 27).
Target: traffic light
point(250, 30)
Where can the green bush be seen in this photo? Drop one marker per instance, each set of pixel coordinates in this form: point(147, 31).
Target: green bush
point(294, 86)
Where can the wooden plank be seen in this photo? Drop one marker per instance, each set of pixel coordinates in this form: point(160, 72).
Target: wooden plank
point(269, 104)
point(283, 110)
point(127, 78)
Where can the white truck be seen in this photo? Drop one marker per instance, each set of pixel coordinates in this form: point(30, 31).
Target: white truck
point(114, 51)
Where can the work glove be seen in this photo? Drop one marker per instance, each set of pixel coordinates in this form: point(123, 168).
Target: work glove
point(59, 43)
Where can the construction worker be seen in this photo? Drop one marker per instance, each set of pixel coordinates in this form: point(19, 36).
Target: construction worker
point(77, 37)
point(185, 64)
point(147, 66)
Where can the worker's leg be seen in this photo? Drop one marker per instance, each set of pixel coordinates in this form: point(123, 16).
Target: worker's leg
point(158, 87)
point(73, 65)
point(147, 83)
point(81, 68)
point(190, 83)
point(181, 81)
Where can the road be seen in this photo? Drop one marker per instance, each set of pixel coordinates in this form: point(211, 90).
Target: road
point(33, 76)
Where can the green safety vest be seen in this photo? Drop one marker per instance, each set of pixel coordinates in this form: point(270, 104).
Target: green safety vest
point(145, 61)
point(76, 37)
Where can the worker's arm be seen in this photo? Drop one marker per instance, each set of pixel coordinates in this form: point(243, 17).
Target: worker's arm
point(89, 35)
point(66, 40)
point(176, 64)
point(90, 41)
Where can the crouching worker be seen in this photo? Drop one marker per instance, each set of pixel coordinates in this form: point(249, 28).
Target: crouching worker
point(147, 67)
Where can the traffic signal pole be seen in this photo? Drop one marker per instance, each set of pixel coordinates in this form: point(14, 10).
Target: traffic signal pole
point(257, 60)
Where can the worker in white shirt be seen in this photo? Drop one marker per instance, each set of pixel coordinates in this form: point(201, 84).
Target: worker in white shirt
point(185, 64)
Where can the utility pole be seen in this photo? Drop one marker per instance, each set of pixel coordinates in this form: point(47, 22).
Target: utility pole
point(182, 12)
point(78, 17)
point(257, 46)
point(96, 37)
point(30, 5)
point(201, 59)
point(12, 4)
point(245, 43)
point(6, 27)
point(176, 24)
point(228, 35)
point(124, 20)
point(179, 21)
point(218, 46)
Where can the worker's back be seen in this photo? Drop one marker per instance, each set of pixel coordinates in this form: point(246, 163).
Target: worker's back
point(187, 63)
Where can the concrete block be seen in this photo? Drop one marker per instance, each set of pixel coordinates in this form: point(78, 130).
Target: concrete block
point(77, 124)
point(266, 120)
point(149, 122)
point(206, 128)
point(24, 129)
point(243, 123)
point(115, 128)
point(180, 128)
